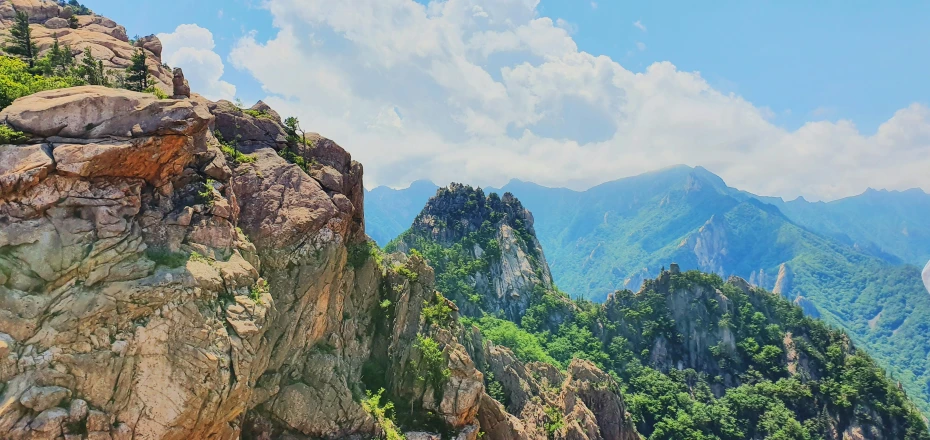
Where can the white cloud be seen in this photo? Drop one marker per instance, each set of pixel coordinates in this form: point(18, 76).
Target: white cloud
point(505, 93)
point(641, 46)
point(639, 25)
point(593, 5)
point(190, 47)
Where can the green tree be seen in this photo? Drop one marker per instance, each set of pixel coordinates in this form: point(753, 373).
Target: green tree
point(91, 70)
point(295, 134)
point(73, 22)
point(17, 81)
point(137, 74)
point(20, 42)
point(58, 61)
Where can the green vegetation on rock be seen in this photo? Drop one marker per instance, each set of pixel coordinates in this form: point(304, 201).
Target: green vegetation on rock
point(696, 357)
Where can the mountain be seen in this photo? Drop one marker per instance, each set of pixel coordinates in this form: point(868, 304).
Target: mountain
point(618, 234)
point(389, 211)
point(180, 268)
point(695, 357)
point(888, 224)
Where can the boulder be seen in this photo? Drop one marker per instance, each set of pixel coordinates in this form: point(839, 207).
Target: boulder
point(23, 166)
point(94, 112)
point(152, 44)
point(42, 398)
point(57, 23)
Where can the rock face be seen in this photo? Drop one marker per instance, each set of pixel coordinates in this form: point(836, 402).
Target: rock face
point(181, 88)
point(160, 289)
point(107, 40)
point(543, 402)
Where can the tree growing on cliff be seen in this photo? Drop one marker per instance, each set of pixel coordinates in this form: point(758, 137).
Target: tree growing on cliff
point(295, 135)
point(137, 74)
point(91, 70)
point(57, 61)
point(19, 43)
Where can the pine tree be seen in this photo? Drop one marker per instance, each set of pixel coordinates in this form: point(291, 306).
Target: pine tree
point(73, 22)
point(20, 42)
point(137, 74)
point(91, 70)
point(57, 61)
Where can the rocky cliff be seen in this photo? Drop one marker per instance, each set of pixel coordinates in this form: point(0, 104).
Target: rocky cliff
point(158, 283)
point(107, 40)
point(484, 247)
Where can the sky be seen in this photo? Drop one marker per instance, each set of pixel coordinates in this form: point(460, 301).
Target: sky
point(788, 98)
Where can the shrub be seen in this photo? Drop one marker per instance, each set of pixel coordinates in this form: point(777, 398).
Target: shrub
point(382, 413)
point(409, 274)
point(432, 366)
point(438, 311)
point(231, 152)
point(16, 81)
point(156, 91)
point(10, 136)
point(258, 290)
point(164, 257)
point(361, 252)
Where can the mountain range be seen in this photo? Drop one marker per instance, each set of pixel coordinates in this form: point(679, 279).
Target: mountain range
point(845, 261)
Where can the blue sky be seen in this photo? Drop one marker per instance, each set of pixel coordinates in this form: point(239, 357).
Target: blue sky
point(856, 60)
point(791, 62)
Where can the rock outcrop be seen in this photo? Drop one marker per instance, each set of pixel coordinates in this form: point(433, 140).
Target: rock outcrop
point(180, 86)
point(542, 402)
point(517, 269)
point(106, 39)
point(154, 286)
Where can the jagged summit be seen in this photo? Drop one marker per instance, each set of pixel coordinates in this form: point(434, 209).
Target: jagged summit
point(484, 245)
point(458, 209)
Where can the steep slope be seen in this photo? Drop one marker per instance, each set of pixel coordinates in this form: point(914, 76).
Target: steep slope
point(620, 233)
point(739, 361)
point(888, 224)
point(178, 268)
point(390, 211)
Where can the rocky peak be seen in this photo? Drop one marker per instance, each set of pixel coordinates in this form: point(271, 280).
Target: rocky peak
point(457, 210)
point(486, 247)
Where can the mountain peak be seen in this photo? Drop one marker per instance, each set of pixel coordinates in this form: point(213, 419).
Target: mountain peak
point(490, 247)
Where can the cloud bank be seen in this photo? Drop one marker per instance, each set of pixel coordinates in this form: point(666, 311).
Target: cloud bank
point(190, 47)
point(481, 91)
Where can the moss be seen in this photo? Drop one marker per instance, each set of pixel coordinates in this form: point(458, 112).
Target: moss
point(360, 253)
point(164, 257)
point(232, 153)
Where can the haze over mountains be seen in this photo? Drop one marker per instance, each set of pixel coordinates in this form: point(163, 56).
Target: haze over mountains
point(855, 261)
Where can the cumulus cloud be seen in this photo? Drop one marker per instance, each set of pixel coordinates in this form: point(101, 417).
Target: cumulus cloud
point(481, 91)
point(190, 47)
point(639, 25)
